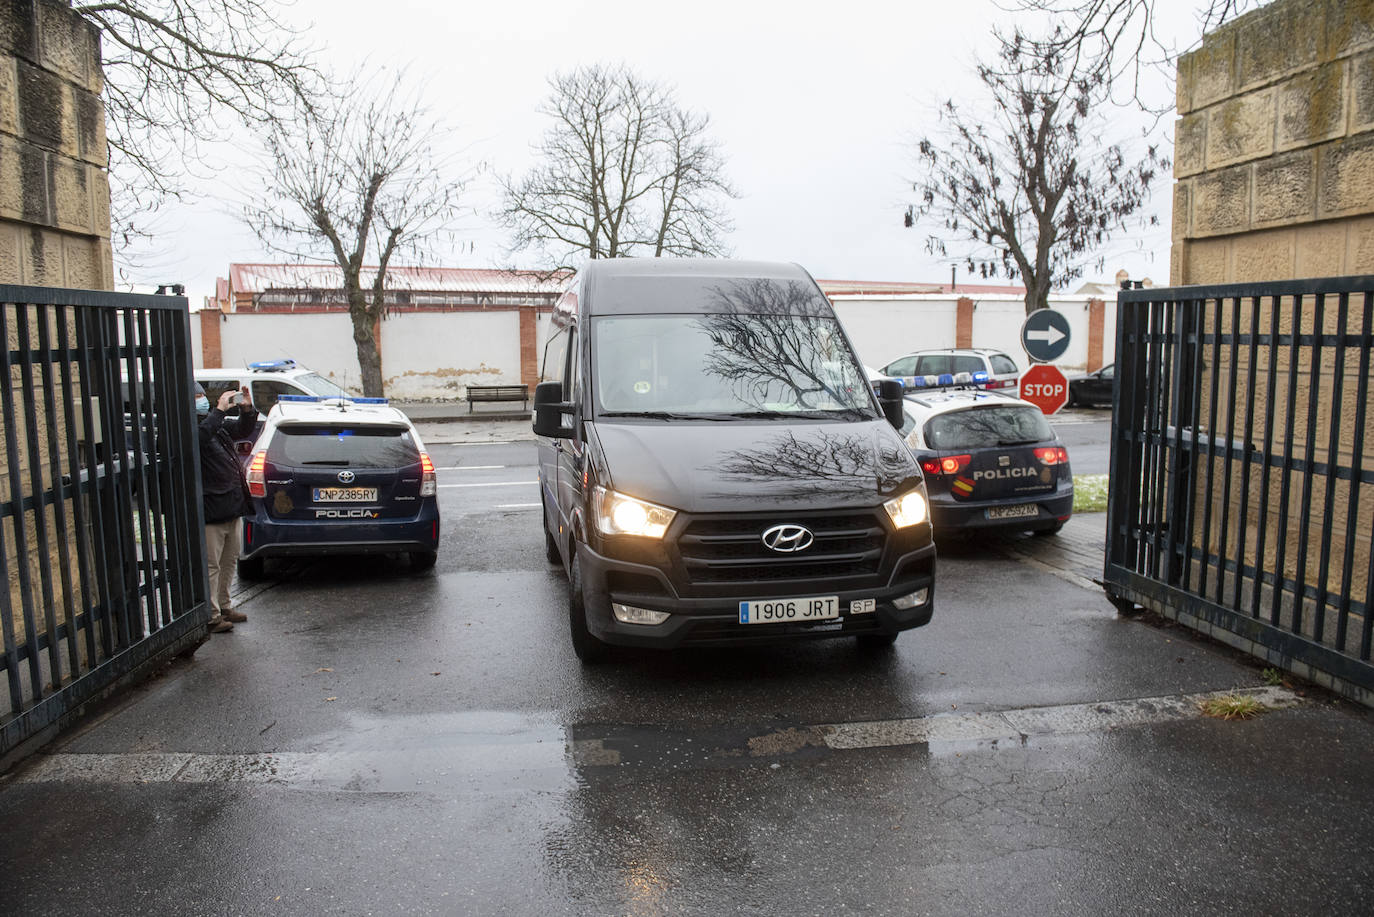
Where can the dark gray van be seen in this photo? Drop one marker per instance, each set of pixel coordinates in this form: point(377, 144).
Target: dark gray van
point(715, 468)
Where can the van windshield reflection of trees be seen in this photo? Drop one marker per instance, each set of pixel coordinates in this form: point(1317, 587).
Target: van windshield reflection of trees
point(767, 349)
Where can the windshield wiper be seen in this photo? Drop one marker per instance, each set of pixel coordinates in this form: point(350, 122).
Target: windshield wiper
point(660, 415)
point(1017, 442)
point(337, 462)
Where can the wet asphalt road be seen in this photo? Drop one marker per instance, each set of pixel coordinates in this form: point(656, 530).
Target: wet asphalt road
point(375, 742)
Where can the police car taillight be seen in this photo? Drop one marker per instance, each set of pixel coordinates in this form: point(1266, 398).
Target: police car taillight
point(257, 478)
point(1052, 455)
point(428, 481)
point(950, 464)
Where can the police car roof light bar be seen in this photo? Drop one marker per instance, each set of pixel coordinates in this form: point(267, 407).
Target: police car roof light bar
point(272, 366)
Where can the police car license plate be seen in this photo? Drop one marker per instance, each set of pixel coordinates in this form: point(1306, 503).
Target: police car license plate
point(1020, 511)
point(782, 611)
point(345, 494)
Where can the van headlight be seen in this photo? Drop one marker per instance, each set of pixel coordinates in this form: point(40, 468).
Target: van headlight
point(908, 509)
point(617, 514)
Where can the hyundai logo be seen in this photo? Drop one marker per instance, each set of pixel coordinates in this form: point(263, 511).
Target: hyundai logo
point(788, 539)
point(345, 477)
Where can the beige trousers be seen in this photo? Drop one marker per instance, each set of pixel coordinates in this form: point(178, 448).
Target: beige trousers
point(221, 553)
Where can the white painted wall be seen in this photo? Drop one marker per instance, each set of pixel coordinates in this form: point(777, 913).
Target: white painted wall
point(197, 356)
point(321, 341)
point(436, 354)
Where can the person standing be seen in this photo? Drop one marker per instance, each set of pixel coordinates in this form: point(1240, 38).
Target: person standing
point(224, 493)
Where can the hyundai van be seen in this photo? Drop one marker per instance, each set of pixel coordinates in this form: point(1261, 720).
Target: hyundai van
point(715, 467)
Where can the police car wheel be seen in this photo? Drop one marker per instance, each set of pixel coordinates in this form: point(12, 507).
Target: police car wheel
point(423, 560)
point(250, 569)
point(588, 649)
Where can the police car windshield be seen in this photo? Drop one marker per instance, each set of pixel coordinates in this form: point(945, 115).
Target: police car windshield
point(316, 384)
point(726, 366)
point(344, 446)
point(989, 426)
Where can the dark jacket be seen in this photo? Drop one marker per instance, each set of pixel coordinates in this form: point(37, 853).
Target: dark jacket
point(223, 488)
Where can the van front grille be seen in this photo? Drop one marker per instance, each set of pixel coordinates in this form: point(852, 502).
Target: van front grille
point(730, 549)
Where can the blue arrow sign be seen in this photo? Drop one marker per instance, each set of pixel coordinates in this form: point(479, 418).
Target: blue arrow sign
point(1045, 335)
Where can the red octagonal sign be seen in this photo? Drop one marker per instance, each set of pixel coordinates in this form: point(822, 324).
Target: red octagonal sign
point(1044, 386)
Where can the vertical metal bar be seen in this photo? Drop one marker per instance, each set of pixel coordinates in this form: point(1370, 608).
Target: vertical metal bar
point(132, 343)
point(155, 554)
point(1267, 468)
point(1145, 431)
point(1247, 466)
point(7, 634)
point(1181, 384)
point(1309, 474)
point(1165, 471)
point(1228, 466)
point(98, 469)
point(117, 477)
point(1123, 492)
point(196, 574)
point(1194, 332)
point(64, 533)
point(1356, 472)
point(1281, 547)
point(69, 416)
point(38, 494)
point(1214, 379)
point(1154, 516)
point(172, 440)
point(1333, 461)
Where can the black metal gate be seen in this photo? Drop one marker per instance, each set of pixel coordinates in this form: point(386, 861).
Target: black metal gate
point(1242, 470)
point(100, 517)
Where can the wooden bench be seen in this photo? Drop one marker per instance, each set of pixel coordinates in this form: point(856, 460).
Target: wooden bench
point(478, 393)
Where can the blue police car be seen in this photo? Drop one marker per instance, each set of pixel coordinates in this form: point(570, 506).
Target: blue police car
point(339, 476)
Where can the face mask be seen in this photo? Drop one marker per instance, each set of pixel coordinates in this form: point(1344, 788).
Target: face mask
point(202, 405)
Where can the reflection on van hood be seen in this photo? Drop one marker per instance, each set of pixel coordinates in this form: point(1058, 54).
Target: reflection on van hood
point(741, 466)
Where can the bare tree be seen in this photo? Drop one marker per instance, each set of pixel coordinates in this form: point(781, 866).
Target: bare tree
point(361, 180)
point(177, 74)
point(623, 171)
point(1027, 188)
point(1115, 40)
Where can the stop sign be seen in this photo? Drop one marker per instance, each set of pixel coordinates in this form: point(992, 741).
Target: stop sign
point(1044, 386)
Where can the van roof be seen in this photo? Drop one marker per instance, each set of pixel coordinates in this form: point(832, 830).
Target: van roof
point(632, 286)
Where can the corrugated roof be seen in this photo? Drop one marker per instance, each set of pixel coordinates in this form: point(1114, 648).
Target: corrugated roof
point(260, 278)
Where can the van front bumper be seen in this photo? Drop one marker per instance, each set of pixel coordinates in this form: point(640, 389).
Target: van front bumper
point(715, 620)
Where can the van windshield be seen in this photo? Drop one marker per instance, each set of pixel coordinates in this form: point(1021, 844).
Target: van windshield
point(724, 366)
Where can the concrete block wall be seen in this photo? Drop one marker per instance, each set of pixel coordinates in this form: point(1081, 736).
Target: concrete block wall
point(1274, 146)
point(54, 188)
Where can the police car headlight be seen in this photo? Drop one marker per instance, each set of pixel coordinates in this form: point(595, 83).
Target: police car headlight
point(908, 509)
point(617, 514)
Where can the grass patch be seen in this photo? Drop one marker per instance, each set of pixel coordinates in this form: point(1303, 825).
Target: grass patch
point(1232, 707)
point(1090, 493)
point(1272, 677)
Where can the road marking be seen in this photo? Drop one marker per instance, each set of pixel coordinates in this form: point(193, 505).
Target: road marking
point(516, 505)
point(468, 467)
point(442, 759)
point(494, 484)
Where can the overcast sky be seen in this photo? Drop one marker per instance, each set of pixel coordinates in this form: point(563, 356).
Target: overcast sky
point(816, 106)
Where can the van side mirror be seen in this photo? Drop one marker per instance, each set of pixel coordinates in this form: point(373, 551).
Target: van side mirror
point(890, 399)
point(550, 411)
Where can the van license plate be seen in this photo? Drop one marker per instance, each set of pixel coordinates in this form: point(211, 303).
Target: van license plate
point(781, 611)
point(345, 495)
point(1020, 511)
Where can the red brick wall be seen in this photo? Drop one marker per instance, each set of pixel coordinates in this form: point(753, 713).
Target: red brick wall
point(529, 339)
point(210, 353)
point(963, 323)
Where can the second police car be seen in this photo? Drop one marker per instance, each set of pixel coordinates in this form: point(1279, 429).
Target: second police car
point(991, 461)
point(339, 476)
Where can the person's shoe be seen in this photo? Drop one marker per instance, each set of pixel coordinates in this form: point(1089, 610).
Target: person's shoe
point(217, 625)
point(237, 617)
